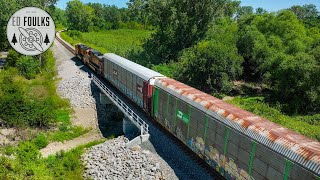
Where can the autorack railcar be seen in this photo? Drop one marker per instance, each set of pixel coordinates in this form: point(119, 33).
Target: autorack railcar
point(133, 80)
point(236, 143)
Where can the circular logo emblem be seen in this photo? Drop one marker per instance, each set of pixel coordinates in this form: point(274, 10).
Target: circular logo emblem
point(30, 31)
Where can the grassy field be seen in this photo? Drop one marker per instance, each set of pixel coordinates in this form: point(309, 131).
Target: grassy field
point(119, 41)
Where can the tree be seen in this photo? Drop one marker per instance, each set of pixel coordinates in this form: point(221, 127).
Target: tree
point(80, 16)
point(244, 11)
point(260, 11)
point(295, 81)
point(305, 11)
point(59, 16)
point(212, 64)
point(180, 24)
point(14, 39)
point(281, 52)
point(46, 39)
point(308, 14)
point(138, 11)
point(12, 58)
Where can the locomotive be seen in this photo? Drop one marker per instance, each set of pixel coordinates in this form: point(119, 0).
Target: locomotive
point(236, 143)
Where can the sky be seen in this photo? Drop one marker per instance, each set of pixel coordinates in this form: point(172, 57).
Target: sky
point(269, 5)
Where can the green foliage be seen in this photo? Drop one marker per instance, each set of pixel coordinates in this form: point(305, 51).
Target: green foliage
point(168, 70)
point(27, 151)
point(28, 66)
point(41, 141)
point(305, 12)
point(29, 165)
point(306, 125)
point(80, 16)
point(59, 18)
point(29, 102)
point(280, 51)
point(214, 63)
point(12, 58)
point(293, 79)
point(181, 24)
point(74, 33)
point(67, 133)
point(244, 11)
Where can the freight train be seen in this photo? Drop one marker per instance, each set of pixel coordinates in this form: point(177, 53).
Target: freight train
point(234, 142)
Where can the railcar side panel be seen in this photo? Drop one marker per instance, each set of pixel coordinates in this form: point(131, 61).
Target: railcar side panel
point(128, 83)
point(232, 154)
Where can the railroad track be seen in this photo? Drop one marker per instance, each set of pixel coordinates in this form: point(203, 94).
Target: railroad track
point(214, 174)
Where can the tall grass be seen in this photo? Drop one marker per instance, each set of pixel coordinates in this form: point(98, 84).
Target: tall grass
point(119, 41)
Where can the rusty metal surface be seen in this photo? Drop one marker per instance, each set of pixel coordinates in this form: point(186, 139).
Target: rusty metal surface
point(288, 143)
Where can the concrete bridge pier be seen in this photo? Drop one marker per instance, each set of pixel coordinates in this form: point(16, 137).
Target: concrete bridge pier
point(104, 99)
point(130, 129)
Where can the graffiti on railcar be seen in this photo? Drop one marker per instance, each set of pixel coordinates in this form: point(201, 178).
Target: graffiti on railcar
point(167, 124)
point(224, 165)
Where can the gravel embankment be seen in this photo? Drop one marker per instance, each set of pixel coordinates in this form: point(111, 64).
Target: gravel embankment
point(78, 90)
point(112, 160)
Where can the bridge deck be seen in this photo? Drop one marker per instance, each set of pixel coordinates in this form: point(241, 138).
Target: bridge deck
point(135, 119)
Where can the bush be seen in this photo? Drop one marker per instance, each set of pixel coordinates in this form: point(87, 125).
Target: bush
point(20, 111)
point(28, 66)
point(12, 58)
point(41, 141)
point(210, 66)
point(168, 70)
point(74, 33)
point(27, 152)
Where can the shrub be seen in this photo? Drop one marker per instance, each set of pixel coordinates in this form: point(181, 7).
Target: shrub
point(41, 141)
point(74, 33)
point(27, 152)
point(212, 64)
point(12, 58)
point(28, 66)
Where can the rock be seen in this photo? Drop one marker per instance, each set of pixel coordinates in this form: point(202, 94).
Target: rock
point(112, 160)
point(7, 131)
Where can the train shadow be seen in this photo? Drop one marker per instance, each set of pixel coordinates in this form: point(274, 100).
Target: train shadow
point(108, 116)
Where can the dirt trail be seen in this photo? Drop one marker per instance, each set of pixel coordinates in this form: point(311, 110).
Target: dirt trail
point(83, 116)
